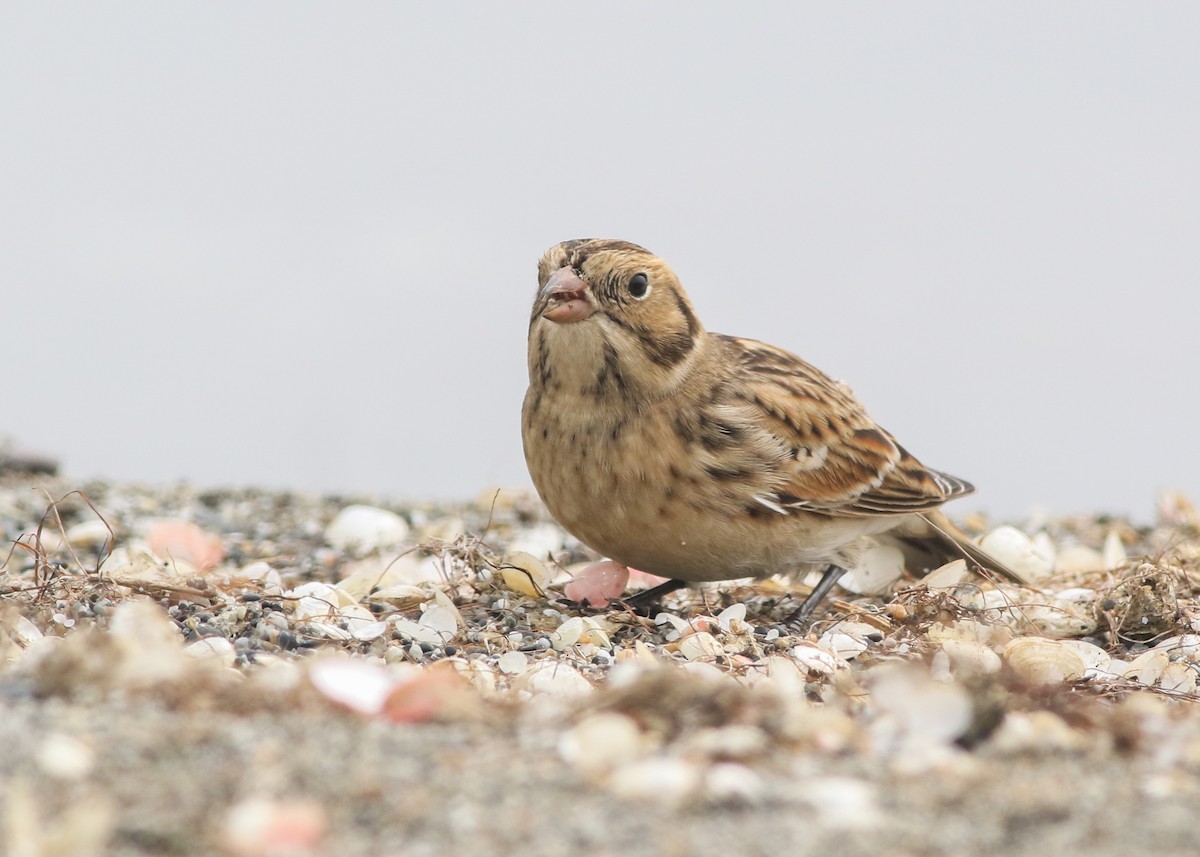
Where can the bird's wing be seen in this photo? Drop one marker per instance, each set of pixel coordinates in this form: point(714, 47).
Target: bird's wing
point(838, 461)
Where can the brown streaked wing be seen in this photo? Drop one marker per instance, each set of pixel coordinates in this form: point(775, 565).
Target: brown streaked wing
point(863, 472)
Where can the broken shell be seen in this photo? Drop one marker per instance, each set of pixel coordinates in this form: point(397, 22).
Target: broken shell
point(1114, 551)
point(875, 571)
point(1178, 677)
point(1016, 550)
point(1148, 667)
point(701, 645)
point(1097, 661)
point(212, 647)
point(662, 779)
point(1078, 558)
point(817, 660)
point(970, 657)
point(1041, 661)
point(554, 678)
point(950, 574)
point(366, 529)
point(523, 572)
point(601, 742)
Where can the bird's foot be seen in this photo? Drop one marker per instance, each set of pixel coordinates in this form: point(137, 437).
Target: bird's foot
point(644, 602)
point(798, 620)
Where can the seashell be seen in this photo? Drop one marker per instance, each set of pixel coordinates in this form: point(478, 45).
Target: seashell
point(538, 540)
point(24, 630)
point(1097, 661)
point(441, 620)
point(212, 647)
point(352, 683)
point(734, 613)
point(967, 630)
point(513, 663)
point(366, 529)
point(914, 711)
point(419, 633)
point(1178, 677)
point(478, 674)
point(259, 825)
point(1076, 594)
point(89, 534)
point(1148, 667)
point(1078, 558)
point(876, 570)
point(1041, 661)
point(1016, 550)
point(971, 658)
point(848, 639)
point(1183, 645)
point(950, 574)
point(554, 678)
point(522, 572)
point(1114, 551)
point(817, 660)
point(317, 599)
point(65, 757)
point(661, 779)
point(701, 645)
point(601, 742)
point(1044, 545)
point(370, 631)
point(326, 631)
point(727, 782)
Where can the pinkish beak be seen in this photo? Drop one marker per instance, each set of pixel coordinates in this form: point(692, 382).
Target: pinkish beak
point(568, 296)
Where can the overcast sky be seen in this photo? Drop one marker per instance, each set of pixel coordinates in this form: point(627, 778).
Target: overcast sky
point(294, 244)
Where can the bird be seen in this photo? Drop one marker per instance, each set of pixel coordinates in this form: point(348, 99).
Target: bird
point(698, 456)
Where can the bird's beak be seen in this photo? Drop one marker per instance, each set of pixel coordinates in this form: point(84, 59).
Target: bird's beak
point(568, 297)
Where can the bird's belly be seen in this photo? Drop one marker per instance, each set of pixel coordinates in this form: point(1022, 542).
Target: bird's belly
point(622, 486)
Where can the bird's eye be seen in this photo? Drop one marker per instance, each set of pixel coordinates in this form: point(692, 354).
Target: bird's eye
point(639, 286)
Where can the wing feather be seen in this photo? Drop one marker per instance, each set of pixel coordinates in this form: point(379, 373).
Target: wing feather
point(837, 461)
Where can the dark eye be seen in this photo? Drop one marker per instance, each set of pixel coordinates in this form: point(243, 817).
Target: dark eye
point(639, 285)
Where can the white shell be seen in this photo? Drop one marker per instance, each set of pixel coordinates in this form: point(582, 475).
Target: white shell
point(662, 779)
point(950, 574)
point(1078, 558)
point(1178, 677)
point(1040, 661)
point(970, 657)
point(1114, 551)
point(876, 570)
point(555, 678)
point(213, 647)
point(1148, 667)
point(601, 742)
point(366, 528)
point(817, 660)
point(513, 663)
point(700, 646)
point(1016, 550)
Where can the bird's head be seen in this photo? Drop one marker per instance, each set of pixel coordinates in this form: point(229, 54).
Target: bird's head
point(614, 303)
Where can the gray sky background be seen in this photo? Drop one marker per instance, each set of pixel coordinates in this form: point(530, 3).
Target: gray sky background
point(294, 244)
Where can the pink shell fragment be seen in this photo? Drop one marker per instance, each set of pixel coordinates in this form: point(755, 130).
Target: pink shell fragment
point(598, 583)
point(183, 540)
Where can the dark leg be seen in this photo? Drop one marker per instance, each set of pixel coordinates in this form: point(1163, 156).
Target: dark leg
point(800, 616)
point(647, 598)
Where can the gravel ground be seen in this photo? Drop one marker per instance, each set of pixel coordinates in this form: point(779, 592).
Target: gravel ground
point(204, 688)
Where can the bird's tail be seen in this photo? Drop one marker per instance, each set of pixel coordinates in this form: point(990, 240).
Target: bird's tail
point(936, 540)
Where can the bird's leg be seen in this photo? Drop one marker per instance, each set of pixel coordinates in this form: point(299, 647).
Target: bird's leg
point(644, 600)
point(800, 616)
